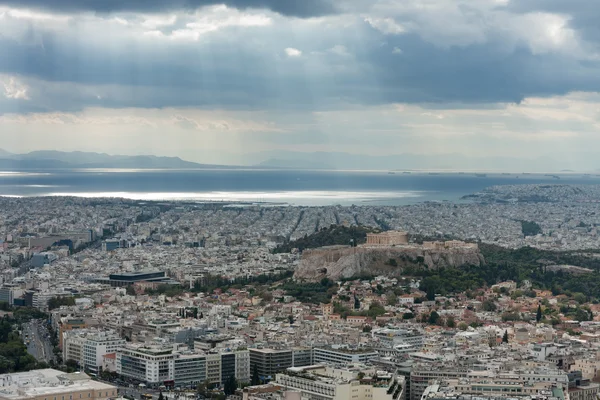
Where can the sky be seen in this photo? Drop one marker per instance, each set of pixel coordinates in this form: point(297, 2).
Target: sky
point(215, 82)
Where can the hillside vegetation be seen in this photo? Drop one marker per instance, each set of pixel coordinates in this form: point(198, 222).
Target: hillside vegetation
point(522, 264)
point(333, 235)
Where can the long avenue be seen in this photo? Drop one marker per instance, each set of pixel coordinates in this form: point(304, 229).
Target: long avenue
point(37, 340)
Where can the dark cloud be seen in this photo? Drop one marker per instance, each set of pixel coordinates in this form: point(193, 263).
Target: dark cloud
point(226, 73)
point(297, 8)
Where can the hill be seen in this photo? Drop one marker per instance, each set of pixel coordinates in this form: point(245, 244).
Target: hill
point(79, 159)
point(344, 262)
point(331, 236)
point(294, 164)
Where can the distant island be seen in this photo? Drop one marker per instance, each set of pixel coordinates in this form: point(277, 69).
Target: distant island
point(79, 159)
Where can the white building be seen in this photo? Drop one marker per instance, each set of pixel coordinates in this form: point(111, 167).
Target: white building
point(96, 346)
point(342, 356)
point(50, 384)
point(318, 382)
point(151, 364)
point(88, 346)
point(390, 337)
point(155, 364)
point(73, 346)
point(540, 351)
point(40, 299)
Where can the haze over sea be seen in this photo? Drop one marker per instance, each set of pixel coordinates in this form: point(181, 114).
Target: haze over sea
point(294, 187)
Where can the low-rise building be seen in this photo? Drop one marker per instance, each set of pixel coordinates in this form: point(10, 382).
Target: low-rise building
point(325, 383)
point(51, 384)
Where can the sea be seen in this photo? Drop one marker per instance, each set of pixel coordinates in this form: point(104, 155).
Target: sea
point(290, 187)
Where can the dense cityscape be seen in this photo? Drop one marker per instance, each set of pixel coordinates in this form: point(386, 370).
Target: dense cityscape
point(299, 200)
point(495, 297)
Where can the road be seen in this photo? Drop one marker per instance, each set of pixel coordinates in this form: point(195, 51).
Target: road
point(37, 340)
point(133, 390)
point(137, 392)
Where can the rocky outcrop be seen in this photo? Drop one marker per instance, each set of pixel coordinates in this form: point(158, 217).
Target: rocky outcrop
point(347, 262)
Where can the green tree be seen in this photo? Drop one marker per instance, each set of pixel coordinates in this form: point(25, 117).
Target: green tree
point(195, 312)
point(530, 228)
point(291, 319)
point(582, 315)
point(356, 303)
point(392, 299)
point(463, 326)
point(580, 298)
point(130, 290)
point(56, 302)
point(255, 377)
point(450, 323)
point(408, 315)
point(488, 305)
point(230, 386)
point(433, 318)
point(505, 337)
point(334, 235)
point(375, 310)
point(202, 388)
point(511, 316)
point(538, 315)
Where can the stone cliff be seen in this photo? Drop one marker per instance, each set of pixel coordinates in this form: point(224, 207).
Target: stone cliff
point(346, 262)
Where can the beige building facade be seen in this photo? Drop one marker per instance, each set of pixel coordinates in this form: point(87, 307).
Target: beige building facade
point(51, 384)
point(389, 238)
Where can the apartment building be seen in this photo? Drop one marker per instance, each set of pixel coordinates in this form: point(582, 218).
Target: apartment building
point(342, 355)
point(189, 369)
point(89, 346)
point(390, 337)
point(159, 364)
point(73, 347)
point(98, 344)
point(325, 383)
point(492, 388)
point(151, 364)
point(269, 361)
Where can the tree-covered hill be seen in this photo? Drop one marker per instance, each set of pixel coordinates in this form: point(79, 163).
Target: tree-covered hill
point(522, 264)
point(333, 235)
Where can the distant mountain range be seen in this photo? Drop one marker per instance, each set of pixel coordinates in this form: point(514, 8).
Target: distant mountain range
point(294, 164)
point(79, 159)
point(406, 161)
point(278, 159)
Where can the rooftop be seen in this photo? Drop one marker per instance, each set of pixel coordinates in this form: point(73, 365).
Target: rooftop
point(25, 385)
